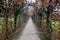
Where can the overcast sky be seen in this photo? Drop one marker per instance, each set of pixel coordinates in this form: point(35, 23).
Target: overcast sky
point(31, 0)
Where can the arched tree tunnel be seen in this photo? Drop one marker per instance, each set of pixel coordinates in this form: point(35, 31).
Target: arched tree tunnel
point(30, 20)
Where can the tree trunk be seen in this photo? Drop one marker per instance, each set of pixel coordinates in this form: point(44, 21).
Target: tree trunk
point(48, 27)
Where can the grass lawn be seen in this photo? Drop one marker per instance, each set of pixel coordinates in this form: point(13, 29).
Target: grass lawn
point(10, 22)
point(56, 26)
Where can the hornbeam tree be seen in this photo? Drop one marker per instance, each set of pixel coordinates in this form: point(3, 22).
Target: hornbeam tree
point(1, 2)
point(1, 5)
point(48, 23)
point(17, 11)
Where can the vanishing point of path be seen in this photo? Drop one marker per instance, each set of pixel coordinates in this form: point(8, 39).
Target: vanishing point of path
point(30, 32)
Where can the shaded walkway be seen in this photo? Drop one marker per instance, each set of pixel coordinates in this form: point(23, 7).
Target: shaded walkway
point(29, 32)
